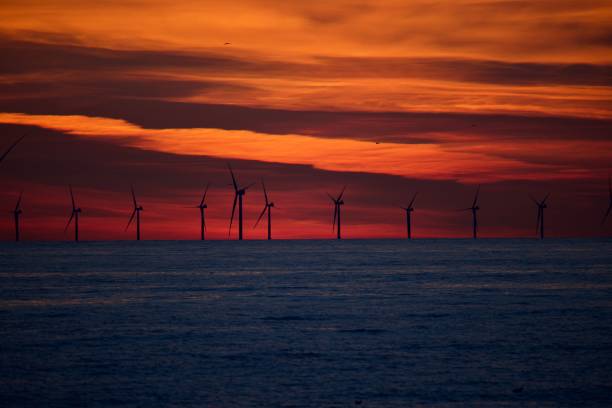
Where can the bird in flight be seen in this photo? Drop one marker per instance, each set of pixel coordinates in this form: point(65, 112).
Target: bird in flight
point(227, 43)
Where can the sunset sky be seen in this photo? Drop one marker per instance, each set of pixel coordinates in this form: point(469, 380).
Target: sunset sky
point(386, 97)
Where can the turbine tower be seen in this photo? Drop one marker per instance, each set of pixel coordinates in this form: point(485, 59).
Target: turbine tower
point(135, 212)
point(474, 208)
point(11, 147)
point(337, 203)
point(540, 221)
point(409, 209)
point(17, 212)
point(238, 194)
point(603, 221)
point(267, 207)
point(202, 206)
point(75, 214)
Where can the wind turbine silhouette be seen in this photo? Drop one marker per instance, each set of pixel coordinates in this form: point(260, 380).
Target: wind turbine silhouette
point(75, 214)
point(11, 147)
point(238, 194)
point(17, 212)
point(136, 212)
point(409, 209)
point(268, 206)
point(540, 221)
point(474, 208)
point(603, 221)
point(337, 203)
point(202, 206)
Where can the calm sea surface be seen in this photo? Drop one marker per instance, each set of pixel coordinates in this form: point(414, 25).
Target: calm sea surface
point(306, 323)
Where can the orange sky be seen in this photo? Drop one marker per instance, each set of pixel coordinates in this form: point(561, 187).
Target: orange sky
point(380, 95)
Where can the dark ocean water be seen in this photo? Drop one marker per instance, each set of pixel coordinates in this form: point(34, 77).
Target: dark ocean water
point(306, 323)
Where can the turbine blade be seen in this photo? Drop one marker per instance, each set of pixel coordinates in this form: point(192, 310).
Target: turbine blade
point(72, 197)
point(133, 196)
point(412, 202)
point(131, 219)
point(19, 201)
point(331, 197)
point(69, 221)
point(233, 178)
point(11, 147)
point(341, 193)
point(232, 218)
point(534, 200)
point(265, 192)
point(545, 198)
point(260, 215)
point(204, 196)
point(249, 186)
point(476, 197)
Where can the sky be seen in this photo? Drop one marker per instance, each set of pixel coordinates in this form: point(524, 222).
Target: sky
point(388, 98)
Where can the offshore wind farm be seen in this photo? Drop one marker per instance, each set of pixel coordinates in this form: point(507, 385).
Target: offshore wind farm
point(372, 204)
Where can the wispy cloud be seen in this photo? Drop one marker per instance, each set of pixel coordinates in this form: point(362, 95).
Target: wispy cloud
point(469, 162)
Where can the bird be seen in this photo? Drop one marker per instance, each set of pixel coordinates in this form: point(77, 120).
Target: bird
point(227, 43)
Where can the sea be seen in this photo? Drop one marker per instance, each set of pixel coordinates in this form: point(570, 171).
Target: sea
point(353, 323)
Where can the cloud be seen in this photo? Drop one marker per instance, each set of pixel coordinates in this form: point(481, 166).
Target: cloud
point(330, 83)
point(397, 127)
point(468, 162)
point(23, 57)
point(493, 29)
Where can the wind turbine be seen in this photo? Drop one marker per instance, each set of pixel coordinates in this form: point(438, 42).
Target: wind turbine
point(75, 214)
point(540, 222)
point(238, 194)
point(474, 208)
point(17, 212)
point(268, 206)
point(202, 206)
point(409, 209)
point(337, 203)
point(136, 212)
point(11, 147)
point(610, 203)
